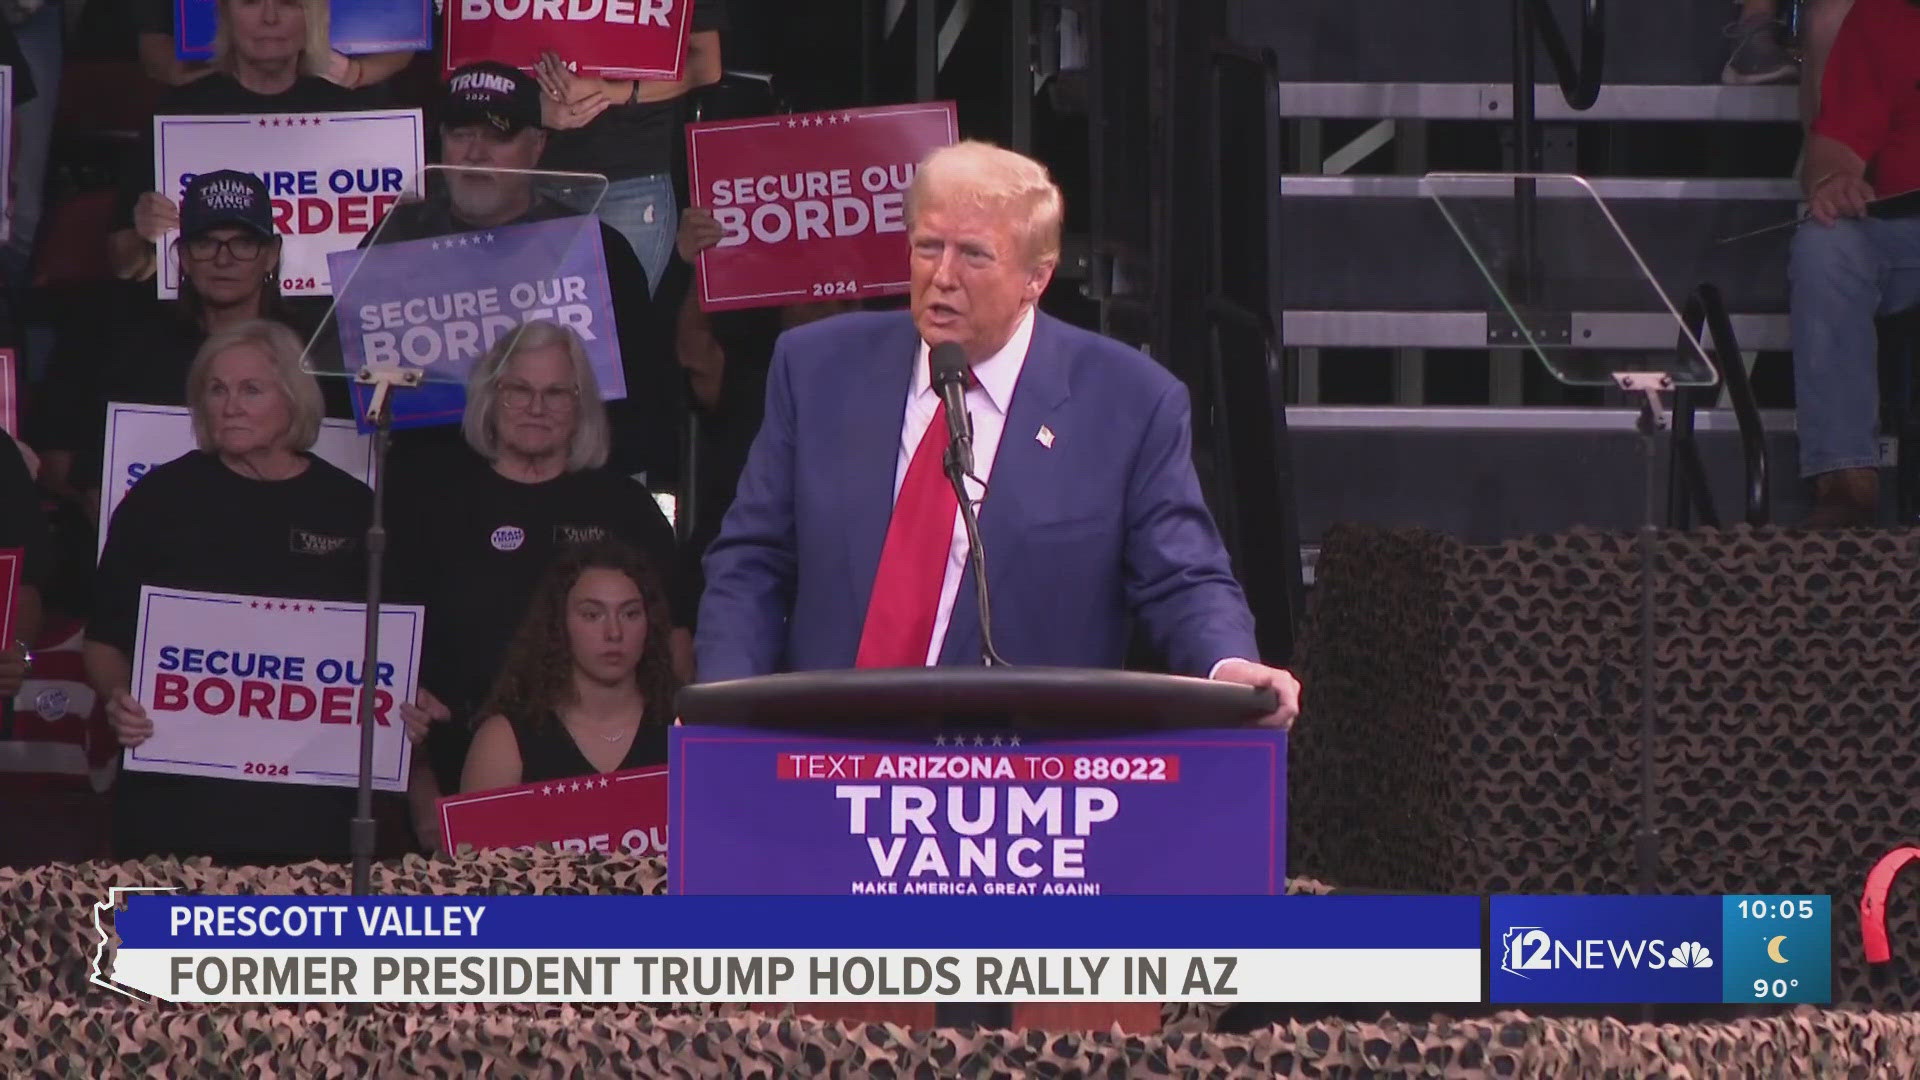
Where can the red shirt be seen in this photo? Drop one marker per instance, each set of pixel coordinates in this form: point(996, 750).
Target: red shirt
point(1870, 95)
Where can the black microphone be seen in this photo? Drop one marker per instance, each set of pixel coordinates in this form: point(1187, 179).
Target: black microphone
point(947, 363)
point(950, 372)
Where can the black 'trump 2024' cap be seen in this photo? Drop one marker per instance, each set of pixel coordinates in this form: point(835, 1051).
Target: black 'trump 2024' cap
point(492, 93)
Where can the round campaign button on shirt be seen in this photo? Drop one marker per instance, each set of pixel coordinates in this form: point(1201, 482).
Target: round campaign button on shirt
point(51, 704)
point(509, 538)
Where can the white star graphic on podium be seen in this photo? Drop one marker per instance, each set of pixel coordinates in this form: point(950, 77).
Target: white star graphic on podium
point(939, 740)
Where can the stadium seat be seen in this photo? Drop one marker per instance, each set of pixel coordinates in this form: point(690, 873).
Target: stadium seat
point(105, 98)
point(73, 242)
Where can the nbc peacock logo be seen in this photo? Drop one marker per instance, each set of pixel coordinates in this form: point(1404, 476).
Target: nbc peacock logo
point(1690, 954)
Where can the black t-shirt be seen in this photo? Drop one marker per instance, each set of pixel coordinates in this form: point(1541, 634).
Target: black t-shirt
point(194, 523)
point(145, 362)
point(471, 545)
point(548, 752)
point(220, 94)
point(155, 16)
point(627, 141)
point(647, 422)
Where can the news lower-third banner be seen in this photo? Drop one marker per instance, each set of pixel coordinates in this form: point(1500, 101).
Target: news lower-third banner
point(771, 949)
point(1516, 950)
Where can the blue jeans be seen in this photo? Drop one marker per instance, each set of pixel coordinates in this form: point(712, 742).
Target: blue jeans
point(1842, 277)
point(643, 210)
point(40, 40)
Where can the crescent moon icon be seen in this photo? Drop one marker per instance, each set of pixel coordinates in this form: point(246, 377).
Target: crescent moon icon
point(1773, 950)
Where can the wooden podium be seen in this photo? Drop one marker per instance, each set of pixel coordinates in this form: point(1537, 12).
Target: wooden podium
point(909, 702)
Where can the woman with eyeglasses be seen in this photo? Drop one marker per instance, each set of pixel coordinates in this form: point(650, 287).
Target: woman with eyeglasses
point(230, 262)
point(269, 56)
point(474, 528)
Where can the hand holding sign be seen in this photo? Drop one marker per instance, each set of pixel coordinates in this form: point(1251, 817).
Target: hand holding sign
point(154, 216)
point(421, 714)
point(129, 719)
point(699, 230)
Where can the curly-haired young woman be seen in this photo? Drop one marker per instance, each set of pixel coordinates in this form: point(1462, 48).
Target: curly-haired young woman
point(588, 682)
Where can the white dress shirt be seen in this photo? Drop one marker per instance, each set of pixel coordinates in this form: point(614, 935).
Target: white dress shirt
point(988, 404)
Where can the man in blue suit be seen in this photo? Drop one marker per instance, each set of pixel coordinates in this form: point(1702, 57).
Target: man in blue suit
point(841, 550)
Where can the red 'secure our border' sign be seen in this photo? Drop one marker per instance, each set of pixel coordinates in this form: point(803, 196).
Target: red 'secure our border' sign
point(617, 811)
point(618, 39)
point(813, 205)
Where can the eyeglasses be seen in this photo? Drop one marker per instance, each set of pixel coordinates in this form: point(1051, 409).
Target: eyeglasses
point(518, 396)
point(243, 248)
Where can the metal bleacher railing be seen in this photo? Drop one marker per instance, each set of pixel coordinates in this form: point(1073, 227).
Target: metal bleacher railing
point(1397, 284)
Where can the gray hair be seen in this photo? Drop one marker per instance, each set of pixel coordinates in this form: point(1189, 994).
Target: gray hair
point(315, 53)
point(283, 351)
point(592, 439)
point(974, 173)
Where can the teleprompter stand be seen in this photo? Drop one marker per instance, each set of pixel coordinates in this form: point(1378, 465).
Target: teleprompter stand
point(1548, 247)
point(907, 702)
point(384, 382)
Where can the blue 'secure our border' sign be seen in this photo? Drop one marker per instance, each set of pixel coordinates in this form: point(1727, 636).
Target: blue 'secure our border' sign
point(356, 26)
point(819, 922)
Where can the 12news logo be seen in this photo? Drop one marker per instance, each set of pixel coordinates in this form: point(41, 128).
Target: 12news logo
point(1531, 948)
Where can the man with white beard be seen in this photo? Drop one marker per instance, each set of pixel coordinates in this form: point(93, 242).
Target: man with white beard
point(491, 138)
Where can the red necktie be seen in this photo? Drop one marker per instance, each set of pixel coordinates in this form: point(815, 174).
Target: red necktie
point(913, 562)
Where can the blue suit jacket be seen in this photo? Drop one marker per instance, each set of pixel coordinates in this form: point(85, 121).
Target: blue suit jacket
point(1105, 525)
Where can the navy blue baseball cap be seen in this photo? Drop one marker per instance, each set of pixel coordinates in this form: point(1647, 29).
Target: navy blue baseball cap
point(226, 197)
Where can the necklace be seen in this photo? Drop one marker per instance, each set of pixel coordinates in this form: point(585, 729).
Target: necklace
point(620, 731)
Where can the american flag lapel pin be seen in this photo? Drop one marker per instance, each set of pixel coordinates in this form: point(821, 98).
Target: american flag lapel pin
point(1045, 436)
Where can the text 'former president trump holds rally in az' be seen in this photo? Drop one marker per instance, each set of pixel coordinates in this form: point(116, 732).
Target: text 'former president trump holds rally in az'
point(844, 548)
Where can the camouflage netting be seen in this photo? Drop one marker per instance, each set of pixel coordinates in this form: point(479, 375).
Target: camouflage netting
point(1474, 727)
point(112, 1037)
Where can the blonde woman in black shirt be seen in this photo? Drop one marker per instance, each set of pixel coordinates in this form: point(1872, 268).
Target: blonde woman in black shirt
point(252, 512)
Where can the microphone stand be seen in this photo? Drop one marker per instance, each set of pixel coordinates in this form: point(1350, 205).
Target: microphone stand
point(380, 415)
point(985, 1015)
point(976, 555)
